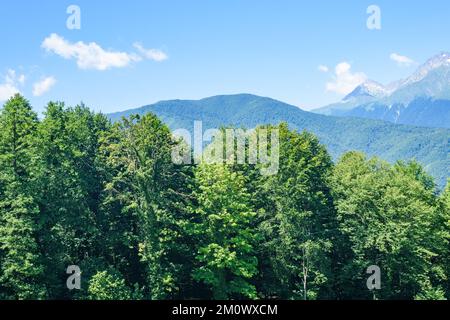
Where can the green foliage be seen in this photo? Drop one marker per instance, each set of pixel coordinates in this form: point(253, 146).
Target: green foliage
point(152, 191)
point(226, 256)
point(20, 268)
point(298, 217)
point(444, 227)
point(385, 140)
point(108, 285)
point(21, 273)
point(430, 293)
point(78, 190)
point(386, 213)
point(69, 186)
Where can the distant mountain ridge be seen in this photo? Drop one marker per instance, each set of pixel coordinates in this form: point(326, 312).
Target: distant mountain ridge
point(376, 138)
point(423, 99)
point(370, 89)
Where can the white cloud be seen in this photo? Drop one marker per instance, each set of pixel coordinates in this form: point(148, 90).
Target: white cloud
point(21, 79)
point(344, 80)
point(402, 61)
point(88, 56)
point(12, 77)
point(93, 56)
point(7, 91)
point(41, 87)
point(323, 68)
point(151, 54)
point(10, 85)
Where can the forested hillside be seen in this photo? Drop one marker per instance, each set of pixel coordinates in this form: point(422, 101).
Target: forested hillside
point(390, 142)
point(77, 189)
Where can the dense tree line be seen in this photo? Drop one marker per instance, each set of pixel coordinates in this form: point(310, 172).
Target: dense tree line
point(76, 189)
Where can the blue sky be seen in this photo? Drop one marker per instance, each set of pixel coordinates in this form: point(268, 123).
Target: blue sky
point(131, 53)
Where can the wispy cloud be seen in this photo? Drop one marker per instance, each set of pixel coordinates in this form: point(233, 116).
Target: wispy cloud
point(151, 54)
point(323, 68)
point(7, 91)
point(41, 87)
point(344, 81)
point(402, 61)
point(88, 56)
point(10, 85)
point(93, 56)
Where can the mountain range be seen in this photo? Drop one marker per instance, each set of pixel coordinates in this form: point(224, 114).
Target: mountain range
point(423, 99)
point(391, 142)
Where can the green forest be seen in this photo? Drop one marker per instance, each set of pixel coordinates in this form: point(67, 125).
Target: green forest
point(78, 189)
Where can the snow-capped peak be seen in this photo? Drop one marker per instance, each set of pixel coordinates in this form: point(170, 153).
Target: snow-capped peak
point(369, 88)
point(442, 59)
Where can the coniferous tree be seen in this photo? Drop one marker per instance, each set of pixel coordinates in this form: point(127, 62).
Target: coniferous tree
point(20, 261)
point(69, 186)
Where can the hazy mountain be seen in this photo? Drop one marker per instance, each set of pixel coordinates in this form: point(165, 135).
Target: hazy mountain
point(388, 141)
point(423, 99)
point(367, 92)
point(369, 89)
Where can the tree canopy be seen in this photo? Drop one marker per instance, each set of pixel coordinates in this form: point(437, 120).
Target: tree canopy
point(76, 189)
